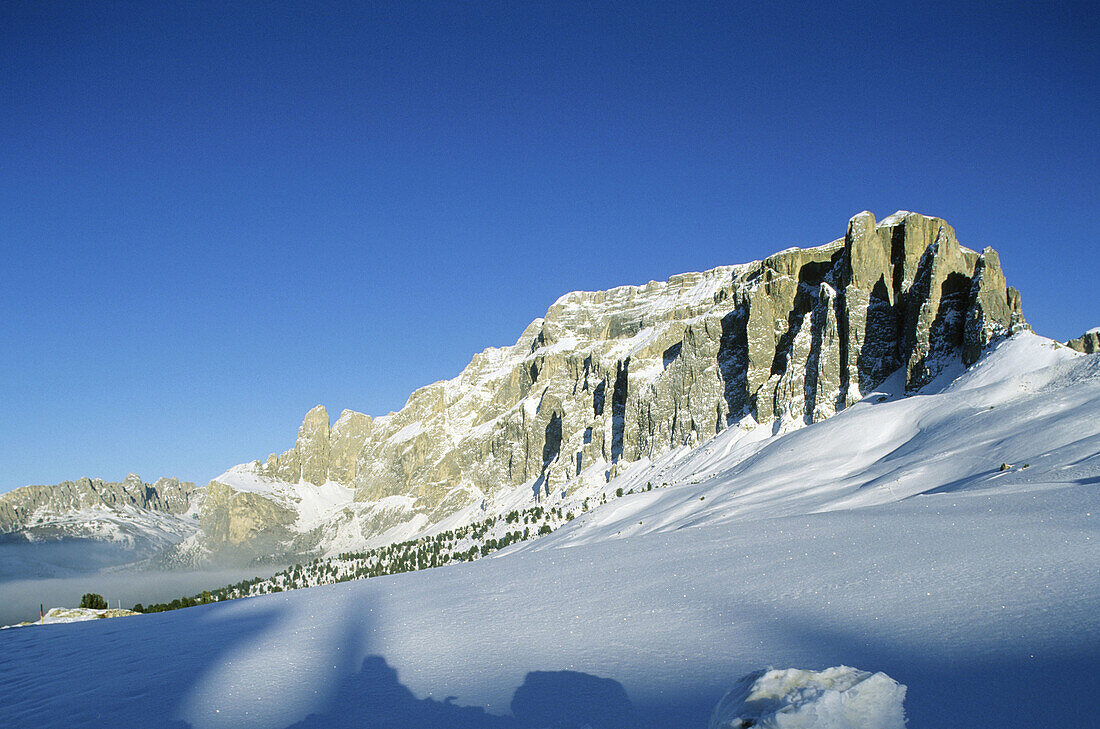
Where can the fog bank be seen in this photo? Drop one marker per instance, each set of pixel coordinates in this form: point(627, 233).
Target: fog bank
point(20, 598)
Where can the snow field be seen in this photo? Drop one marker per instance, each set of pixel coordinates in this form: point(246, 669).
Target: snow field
point(985, 605)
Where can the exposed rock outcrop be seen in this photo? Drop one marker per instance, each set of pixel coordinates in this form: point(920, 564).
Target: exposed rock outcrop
point(611, 377)
point(1089, 342)
point(322, 453)
point(244, 524)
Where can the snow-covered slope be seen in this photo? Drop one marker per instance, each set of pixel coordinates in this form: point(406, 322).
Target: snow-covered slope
point(1027, 413)
point(313, 505)
point(886, 538)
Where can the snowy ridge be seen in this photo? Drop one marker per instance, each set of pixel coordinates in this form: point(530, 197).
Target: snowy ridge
point(685, 288)
point(127, 525)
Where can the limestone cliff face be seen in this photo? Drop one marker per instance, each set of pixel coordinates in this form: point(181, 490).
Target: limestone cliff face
point(613, 376)
point(610, 377)
point(322, 453)
point(244, 524)
point(1089, 342)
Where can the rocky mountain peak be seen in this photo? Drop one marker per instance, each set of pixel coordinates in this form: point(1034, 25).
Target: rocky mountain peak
point(606, 378)
point(914, 296)
point(322, 453)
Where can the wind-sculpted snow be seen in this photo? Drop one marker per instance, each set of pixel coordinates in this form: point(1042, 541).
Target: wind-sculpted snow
point(836, 698)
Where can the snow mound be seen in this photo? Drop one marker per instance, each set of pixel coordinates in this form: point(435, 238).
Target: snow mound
point(836, 698)
point(75, 615)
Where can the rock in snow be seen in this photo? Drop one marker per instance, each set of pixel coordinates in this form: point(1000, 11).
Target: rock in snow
point(836, 698)
point(1088, 343)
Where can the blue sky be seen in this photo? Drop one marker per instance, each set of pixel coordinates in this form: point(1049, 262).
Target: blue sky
point(213, 217)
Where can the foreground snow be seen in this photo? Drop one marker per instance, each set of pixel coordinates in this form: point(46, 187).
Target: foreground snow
point(985, 605)
point(886, 538)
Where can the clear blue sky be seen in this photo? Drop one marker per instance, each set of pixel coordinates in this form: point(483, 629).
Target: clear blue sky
point(214, 217)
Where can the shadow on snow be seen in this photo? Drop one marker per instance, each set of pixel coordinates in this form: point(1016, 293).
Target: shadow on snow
point(560, 699)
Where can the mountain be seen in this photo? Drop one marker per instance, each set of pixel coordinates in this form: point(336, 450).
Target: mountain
point(1018, 416)
point(947, 538)
point(607, 378)
point(902, 482)
point(130, 512)
point(90, 523)
point(604, 380)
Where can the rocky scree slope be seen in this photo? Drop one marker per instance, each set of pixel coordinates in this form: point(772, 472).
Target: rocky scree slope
point(609, 377)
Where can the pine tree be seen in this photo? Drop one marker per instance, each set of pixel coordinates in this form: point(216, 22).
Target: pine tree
point(93, 600)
